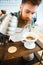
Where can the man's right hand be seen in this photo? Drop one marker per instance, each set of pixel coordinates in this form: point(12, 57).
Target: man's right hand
point(0, 13)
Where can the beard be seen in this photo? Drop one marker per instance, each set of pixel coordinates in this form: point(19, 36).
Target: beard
point(24, 18)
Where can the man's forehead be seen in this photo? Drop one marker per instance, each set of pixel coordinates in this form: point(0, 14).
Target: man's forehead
point(30, 7)
point(29, 10)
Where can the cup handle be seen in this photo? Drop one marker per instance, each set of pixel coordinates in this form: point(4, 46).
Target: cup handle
point(23, 41)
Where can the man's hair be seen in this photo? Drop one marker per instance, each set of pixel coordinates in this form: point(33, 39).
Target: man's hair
point(34, 2)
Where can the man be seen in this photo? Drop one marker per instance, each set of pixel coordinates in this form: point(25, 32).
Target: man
point(27, 9)
point(25, 15)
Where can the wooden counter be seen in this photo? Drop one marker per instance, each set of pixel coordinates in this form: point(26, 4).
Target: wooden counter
point(21, 50)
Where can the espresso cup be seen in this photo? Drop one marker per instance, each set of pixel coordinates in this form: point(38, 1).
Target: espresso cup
point(29, 39)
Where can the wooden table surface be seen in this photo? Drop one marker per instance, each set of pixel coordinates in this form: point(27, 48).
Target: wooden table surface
point(21, 50)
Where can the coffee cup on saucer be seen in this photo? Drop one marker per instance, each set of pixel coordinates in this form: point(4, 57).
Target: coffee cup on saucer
point(29, 39)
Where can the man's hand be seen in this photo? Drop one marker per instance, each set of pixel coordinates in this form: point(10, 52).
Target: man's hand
point(0, 13)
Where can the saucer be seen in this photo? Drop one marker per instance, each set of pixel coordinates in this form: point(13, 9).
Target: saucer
point(29, 45)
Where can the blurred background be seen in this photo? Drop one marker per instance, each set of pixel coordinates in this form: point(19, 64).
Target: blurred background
point(13, 6)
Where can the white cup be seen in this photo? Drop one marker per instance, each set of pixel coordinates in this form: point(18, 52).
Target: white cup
point(29, 44)
point(29, 57)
